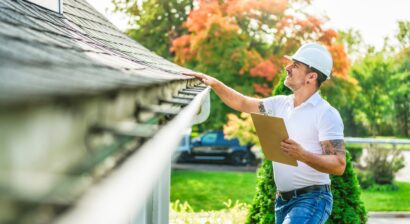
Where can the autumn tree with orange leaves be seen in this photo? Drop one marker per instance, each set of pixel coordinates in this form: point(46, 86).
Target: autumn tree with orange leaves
point(242, 43)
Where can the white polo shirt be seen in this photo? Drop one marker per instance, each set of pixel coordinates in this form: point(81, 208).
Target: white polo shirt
point(313, 121)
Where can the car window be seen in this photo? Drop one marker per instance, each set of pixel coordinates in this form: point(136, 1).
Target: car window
point(209, 138)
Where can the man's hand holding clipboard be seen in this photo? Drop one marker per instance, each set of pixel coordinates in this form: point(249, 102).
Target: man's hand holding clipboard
point(274, 139)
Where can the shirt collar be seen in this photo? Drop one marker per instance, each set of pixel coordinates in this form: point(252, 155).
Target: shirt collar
point(313, 100)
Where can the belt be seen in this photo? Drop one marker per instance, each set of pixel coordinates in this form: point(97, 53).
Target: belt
point(287, 195)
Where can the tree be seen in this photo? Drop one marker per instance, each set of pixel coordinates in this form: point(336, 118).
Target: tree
point(374, 107)
point(242, 43)
point(403, 36)
point(400, 89)
point(155, 23)
point(400, 93)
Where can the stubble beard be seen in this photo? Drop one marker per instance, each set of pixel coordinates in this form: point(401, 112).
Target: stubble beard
point(287, 84)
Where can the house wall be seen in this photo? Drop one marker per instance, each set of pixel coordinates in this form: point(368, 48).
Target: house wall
point(41, 141)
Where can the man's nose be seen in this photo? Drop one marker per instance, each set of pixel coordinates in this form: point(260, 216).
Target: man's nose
point(288, 67)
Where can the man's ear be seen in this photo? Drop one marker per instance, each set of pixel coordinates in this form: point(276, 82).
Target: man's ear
point(312, 76)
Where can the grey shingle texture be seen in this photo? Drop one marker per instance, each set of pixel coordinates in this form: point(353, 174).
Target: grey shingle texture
point(43, 54)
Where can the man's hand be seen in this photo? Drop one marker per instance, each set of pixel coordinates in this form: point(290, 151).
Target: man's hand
point(206, 79)
point(332, 160)
point(293, 149)
point(229, 96)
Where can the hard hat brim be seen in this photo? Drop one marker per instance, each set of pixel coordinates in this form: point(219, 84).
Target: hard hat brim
point(288, 57)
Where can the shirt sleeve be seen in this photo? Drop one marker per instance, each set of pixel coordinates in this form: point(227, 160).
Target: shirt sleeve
point(330, 125)
point(272, 103)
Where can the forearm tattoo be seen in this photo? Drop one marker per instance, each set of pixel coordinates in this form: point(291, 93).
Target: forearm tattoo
point(333, 147)
point(261, 107)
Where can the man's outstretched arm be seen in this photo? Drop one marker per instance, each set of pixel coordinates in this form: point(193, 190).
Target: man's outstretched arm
point(332, 160)
point(229, 96)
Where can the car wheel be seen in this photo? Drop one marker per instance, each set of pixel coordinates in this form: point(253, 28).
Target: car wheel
point(183, 157)
point(240, 158)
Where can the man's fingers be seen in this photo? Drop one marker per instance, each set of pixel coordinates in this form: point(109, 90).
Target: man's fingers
point(196, 75)
point(188, 74)
point(285, 144)
point(289, 141)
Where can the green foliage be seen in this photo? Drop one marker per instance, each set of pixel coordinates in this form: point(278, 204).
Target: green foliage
point(233, 213)
point(341, 93)
point(280, 88)
point(383, 188)
point(383, 164)
point(353, 41)
point(403, 36)
point(400, 92)
point(347, 205)
point(355, 151)
point(263, 205)
point(380, 106)
point(365, 178)
point(224, 62)
point(155, 23)
point(373, 107)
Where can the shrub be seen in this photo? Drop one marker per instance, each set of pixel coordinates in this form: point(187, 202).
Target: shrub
point(384, 163)
point(182, 213)
point(347, 206)
point(263, 205)
point(365, 178)
point(355, 151)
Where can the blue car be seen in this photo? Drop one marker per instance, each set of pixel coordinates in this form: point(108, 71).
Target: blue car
point(212, 146)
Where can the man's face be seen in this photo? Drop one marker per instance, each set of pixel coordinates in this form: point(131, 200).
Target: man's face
point(296, 77)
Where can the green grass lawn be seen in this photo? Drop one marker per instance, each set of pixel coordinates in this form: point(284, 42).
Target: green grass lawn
point(209, 190)
point(398, 200)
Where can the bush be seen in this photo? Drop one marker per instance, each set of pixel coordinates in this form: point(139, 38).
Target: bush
point(183, 213)
point(347, 206)
point(355, 151)
point(365, 178)
point(384, 163)
point(383, 188)
point(263, 205)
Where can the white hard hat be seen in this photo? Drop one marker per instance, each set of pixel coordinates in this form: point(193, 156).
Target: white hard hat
point(316, 56)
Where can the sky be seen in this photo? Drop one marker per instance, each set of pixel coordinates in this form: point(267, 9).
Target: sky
point(375, 19)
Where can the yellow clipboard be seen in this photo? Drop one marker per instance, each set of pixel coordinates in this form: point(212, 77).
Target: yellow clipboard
point(271, 131)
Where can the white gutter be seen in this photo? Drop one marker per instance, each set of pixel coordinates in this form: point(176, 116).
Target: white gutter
point(124, 192)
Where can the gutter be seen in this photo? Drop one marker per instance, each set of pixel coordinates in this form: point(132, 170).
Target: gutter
point(123, 193)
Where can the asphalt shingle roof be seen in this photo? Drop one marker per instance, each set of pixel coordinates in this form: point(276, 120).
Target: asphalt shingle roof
point(43, 53)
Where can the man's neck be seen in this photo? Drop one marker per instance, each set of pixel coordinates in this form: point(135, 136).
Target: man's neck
point(302, 94)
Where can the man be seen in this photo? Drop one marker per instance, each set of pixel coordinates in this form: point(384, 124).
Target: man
point(315, 135)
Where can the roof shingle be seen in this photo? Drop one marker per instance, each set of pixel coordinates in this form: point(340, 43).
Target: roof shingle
point(80, 52)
